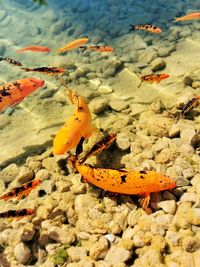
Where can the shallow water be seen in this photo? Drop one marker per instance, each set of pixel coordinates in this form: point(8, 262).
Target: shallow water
point(143, 115)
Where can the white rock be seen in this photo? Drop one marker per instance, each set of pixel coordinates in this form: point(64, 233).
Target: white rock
point(76, 253)
point(123, 142)
point(118, 105)
point(187, 135)
point(99, 105)
point(117, 255)
point(22, 253)
point(169, 206)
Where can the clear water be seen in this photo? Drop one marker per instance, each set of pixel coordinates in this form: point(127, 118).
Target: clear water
point(29, 128)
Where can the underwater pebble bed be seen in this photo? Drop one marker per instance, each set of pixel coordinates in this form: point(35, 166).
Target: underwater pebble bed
point(77, 224)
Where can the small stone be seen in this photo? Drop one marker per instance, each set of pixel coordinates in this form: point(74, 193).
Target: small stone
point(157, 125)
point(182, 100)
point(118, 105)
point(43, 240)
point(6, 21)
point(157, 106)
point(165, 156)
point(35, 166)
point(158, 64)
point(102, 264)
point(190, 197)
point(196, 258)
point(63, 186)
point(191, 244)
point(63, 234)
point(43, 175)
point(83, 203)
point(99, 249)
point(9, 173)
point(169, 206)
point(117, 255)
point(28, 232)
point(22, 253)
point(187, 135)
point(48, 186)
point(123, 142)
point(195, 141)
point(173, 238)
point(99, 105)
point(25, 175)
point(148, 55)
point(105, 89)
point(174, 131)
point(76, 253)
point(50, 164)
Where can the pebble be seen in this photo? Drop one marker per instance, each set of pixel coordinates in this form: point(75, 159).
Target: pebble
point(148, 55)
point(25, 175)
point(28, 232)
point(118, 105)
point(117, 255)
point(99, 105)
point(76, 253)
point(22, 253)
point(158, 64)
point(169, 206)
point(64, 234)
point(158, 126)
point(190, 197)
point(9, 173)
point(187, 135)
point(6, 21)
point(102, 264)
point(105, 89)
point(42, 174)
point(99, 249)
point(83, 203)
point(174, 131)
point(123, 142)
point(191, 244)
point(165, 156)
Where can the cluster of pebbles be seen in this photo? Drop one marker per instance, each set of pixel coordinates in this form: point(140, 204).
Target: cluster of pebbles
point(77, 224)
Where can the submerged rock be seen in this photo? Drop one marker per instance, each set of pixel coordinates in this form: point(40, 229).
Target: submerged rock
point(22, 253)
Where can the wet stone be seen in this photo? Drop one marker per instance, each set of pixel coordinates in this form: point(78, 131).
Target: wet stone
point(99, 105)
point(117, 255)
point(191, 244)
point(42, 175)
point(6, 21)
point(22, 253)
point(76, 253)
point(25, 175)
point(9, 173)
point(123, 142)
point(118, 105)
point(187, 135)
point(169, 206)
point(158, 64)
point(28, 232)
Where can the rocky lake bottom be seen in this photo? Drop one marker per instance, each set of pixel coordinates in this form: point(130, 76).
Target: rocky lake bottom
point(77, 224)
